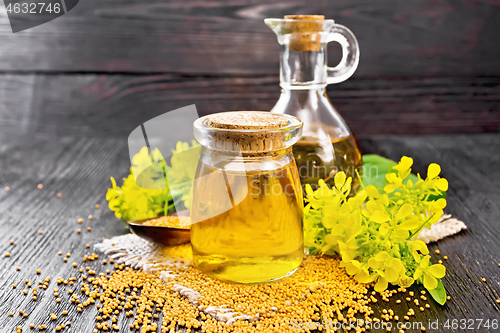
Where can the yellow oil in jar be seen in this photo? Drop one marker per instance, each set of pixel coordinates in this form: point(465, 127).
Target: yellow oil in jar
point(317, 161)
point(260, 237)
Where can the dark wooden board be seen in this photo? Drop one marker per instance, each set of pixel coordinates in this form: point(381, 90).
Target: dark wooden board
point(113, 105)
point(422, 37)
point(79, 167)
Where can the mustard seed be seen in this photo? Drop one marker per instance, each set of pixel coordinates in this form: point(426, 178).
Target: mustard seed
point(88, 246)
point(79, 230)
point(80, 220)
point(91, 217)
point(437, 251)
point(96, 206)
point(7, 189)
point(7, 254)
point(483, 279)
point(41, 232)
point(445, 257)
point(18, 268)
point(440, 261)
point(40, 186)
point(14, 286)
point(59, 195)
point(89, 228)
point(59, 253)
point(12, 243)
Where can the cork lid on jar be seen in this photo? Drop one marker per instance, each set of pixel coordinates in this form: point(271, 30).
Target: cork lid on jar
point(247, 131)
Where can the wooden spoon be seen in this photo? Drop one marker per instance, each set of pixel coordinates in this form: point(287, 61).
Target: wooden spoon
point(161, 235)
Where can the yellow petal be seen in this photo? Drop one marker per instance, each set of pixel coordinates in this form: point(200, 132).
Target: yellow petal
point(389, 188)
point(425, 262)
point(372, 191)
point(379, 217)
point(418, 273)
point(430, 282)
point(433, 170)
point(381, 284)
point(437, 270)
point(364, 277)
point(404, 211)
point(441, 184)
point(391, 275)
point(340, 179)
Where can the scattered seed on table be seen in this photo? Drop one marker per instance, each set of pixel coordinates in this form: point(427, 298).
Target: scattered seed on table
point(445, 257)
point(32, 325)
point(12, 243)
point(483, 279)
point(58, 300)
point(7, 189)
point(88, 246)
point(18, 268)
point(7, 254)
point(91, 217)
point(20, 312)
point(14, 286)
point(65, 259)
point(25, 315)
point(25, 292)
point(79, 230)
point(11, 314)
point(80, 220)
point(440, 261)
point(437, 251)
point(448, 298)
point(41, 232)
point(40, 186)
point(68, 254)
point(89, 228)
point(97, 206)
point(38, 271)
point(59, 195)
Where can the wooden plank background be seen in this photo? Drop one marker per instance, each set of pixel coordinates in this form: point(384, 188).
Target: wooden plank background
point(80, 168)
point(427, 66)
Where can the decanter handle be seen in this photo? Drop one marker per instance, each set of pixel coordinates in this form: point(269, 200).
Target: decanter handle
point(350, 54)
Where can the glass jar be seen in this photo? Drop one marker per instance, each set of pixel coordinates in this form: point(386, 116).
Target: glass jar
point(327, 144)
point(247, 199)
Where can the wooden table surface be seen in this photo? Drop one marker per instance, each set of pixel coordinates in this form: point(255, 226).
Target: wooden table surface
point(80, 168)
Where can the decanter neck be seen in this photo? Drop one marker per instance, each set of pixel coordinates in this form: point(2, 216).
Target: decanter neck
point(303, 70)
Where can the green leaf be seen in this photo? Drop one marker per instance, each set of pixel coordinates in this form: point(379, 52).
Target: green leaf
point(439, 293)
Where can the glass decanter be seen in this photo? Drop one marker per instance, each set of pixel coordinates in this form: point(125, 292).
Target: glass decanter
point(327, 144)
